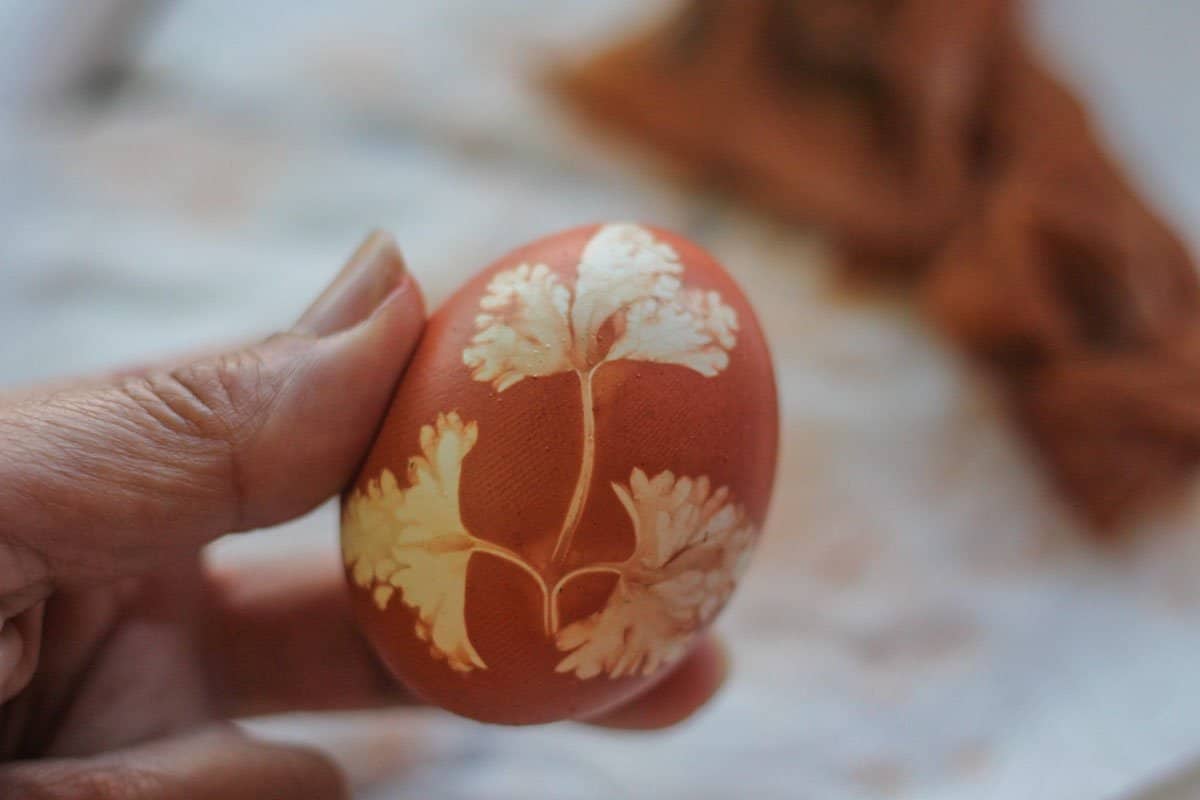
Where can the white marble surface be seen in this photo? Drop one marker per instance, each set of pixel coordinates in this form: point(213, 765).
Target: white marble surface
point(922, 621)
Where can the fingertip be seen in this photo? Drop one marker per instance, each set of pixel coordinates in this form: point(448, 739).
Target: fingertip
point(20, 645)
point(678, 696)
point(375, 270)
point(387, 337)
point(404, 306)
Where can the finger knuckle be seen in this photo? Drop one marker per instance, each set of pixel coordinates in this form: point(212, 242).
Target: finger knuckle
point(217, 398)
point(213, 406)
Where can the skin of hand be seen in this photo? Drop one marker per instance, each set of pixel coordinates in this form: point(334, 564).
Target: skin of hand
point(123, 655)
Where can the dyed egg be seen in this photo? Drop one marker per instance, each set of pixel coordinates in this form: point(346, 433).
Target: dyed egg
point(570, 479)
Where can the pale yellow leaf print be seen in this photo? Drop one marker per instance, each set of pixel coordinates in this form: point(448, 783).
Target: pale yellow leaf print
point(692, 546)
point(694, 329)
point(412, 543)
point(530, 325)
point(522, 329)
point(628, 302)
point(622, 264)
point(632, 635)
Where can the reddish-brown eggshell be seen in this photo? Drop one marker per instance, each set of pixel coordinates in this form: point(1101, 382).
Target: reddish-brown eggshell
point(517, 482)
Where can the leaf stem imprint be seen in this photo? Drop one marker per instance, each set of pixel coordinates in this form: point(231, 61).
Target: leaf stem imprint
point(549, 614)
point(591, 569)
point(583, 484)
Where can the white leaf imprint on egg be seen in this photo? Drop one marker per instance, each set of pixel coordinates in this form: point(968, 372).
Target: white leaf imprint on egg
point(691, 542)
point(530, 325)
point(413, 540)
point(523, 328)
point(693, 545)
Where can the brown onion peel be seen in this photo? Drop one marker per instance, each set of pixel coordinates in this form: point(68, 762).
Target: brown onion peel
point(935, 148)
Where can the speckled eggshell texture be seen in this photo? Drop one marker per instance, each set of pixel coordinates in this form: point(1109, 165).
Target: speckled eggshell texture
point(570, 480)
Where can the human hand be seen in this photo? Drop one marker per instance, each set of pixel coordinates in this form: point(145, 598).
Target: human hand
point(122, 653)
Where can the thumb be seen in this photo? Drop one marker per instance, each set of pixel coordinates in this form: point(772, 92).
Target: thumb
point(105, 480)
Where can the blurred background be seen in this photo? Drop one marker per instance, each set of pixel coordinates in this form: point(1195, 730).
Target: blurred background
point(923, 619)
